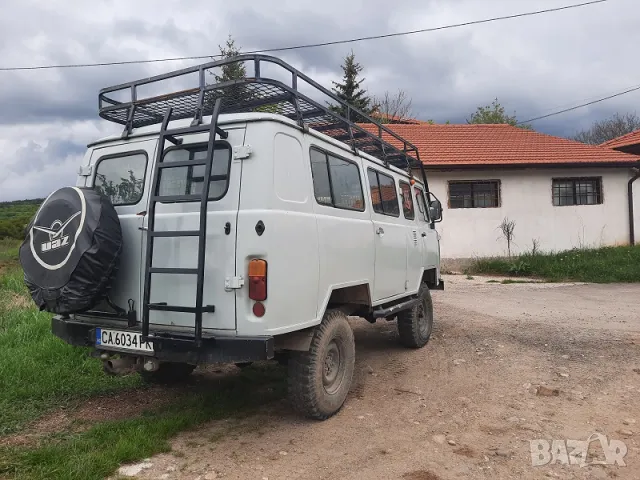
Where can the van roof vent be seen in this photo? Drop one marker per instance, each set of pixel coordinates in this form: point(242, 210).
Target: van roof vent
point(269, 85)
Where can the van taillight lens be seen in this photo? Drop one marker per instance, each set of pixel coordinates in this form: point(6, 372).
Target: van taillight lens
point(258, 280)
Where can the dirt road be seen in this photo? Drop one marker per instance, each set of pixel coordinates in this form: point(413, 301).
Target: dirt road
point(464, 407)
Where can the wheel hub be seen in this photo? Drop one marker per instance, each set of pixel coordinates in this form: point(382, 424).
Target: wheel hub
point(423, 323)
point(332, 366)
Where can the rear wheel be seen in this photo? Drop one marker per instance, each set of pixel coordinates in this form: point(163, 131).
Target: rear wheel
point(415, 324)
point(320, 379)
point(168, 373)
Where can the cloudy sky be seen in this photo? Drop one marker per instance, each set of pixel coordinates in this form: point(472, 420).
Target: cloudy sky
point(533, 65)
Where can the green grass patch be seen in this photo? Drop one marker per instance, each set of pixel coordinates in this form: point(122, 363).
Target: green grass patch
point(99, 451)
point(9, 252)
point(603, 265)
point(40, 373)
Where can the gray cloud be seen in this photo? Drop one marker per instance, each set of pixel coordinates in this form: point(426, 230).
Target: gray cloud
point(533, 65)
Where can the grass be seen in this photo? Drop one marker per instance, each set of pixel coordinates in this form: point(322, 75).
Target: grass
point(603, 265)
point(99, 451)
point(37, 370)
point(40, 373)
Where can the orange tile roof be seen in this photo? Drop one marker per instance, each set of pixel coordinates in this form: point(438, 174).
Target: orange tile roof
point(632, 138)
point(496, 144)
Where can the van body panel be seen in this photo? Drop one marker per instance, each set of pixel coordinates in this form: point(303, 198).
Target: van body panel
point(289, 242)
point(311, 248)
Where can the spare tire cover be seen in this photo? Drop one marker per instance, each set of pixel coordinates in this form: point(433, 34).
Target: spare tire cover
point(71, 252)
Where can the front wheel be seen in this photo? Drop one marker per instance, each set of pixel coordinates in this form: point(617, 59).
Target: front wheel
point(415, 324)
point(320, 379)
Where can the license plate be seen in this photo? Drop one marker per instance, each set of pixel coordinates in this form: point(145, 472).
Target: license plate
point(122, 340)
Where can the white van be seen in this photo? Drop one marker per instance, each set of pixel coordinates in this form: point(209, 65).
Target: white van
point(307, 218)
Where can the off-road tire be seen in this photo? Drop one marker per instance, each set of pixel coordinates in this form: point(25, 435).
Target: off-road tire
point(168, 373)
point(320, 379)
point(415, 325)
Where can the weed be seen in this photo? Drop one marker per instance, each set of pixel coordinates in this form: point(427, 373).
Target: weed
point(602, 265)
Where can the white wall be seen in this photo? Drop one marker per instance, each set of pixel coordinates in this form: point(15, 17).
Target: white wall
point(526, 198)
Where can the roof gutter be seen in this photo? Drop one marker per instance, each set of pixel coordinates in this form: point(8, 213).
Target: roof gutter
point(632, 230)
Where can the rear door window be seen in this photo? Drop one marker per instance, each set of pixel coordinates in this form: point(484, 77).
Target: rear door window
point(190, 180)
point(121, 177)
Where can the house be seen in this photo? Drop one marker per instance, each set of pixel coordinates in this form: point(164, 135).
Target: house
point(561, 194)
point(629, 143)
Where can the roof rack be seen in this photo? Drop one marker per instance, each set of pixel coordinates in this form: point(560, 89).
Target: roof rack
point(279, 93)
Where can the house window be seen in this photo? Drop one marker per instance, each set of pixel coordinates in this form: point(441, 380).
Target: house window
point(384, 195)
point(577, 191)
point(336, 182)
point(471, 194)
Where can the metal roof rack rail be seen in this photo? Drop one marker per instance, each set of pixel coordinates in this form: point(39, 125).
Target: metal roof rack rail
point(279, 93)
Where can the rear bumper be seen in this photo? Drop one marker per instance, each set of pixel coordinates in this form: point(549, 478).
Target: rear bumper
point(212, 349)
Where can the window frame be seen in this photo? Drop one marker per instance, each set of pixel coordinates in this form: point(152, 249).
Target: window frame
point(498, 192)
point(413, 207)
point(326, 154)
point(419, 192)
point(112, 156)
point(574, 180)
point(395, 186)
point(197, 146)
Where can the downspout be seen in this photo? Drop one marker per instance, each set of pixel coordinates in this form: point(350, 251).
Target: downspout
point(632, 233)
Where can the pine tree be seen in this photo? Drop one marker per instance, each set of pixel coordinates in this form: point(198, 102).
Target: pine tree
point(231, 71)
point(350, 90)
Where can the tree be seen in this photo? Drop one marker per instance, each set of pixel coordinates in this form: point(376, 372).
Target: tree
point(350, 90)
point(231, 71)
point(393, 108)
point(507, 228)
point(608, 129)
point(494, 113)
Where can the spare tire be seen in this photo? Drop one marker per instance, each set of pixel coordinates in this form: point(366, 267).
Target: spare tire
point(72, 250)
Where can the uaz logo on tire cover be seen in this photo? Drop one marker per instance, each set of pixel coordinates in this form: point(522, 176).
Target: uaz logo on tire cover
point(55, 232)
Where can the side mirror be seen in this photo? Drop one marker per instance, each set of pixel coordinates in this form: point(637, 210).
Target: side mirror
point(435, 208)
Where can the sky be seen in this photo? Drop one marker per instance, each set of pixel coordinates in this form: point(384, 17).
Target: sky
point(533, 66)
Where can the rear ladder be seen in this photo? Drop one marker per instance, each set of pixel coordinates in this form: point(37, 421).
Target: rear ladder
point(201, 233)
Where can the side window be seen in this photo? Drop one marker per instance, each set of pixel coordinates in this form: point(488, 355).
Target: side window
point(421, 205)
point(407, 201)
point(336, 182)
point(121, 178)
point(189, 180)
point(383, 193)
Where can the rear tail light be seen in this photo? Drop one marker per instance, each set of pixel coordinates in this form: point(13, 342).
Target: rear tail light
point(258, 280)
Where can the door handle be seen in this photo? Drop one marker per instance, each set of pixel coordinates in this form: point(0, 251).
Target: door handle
point(424, 234)
point(144, 229)
point(380, 231)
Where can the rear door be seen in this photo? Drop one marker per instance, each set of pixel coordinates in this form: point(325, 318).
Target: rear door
point(123, 173)
point(389, 236)
point(181, 252)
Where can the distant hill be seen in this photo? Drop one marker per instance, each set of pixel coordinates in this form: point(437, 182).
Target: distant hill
point(15, 216)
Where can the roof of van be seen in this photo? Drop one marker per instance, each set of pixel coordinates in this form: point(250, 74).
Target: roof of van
point(236, 118)
point(224, 119)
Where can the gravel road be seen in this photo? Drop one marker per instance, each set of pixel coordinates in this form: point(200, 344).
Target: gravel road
point(466, 406)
